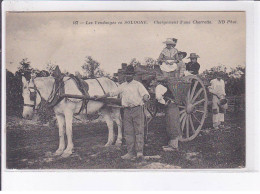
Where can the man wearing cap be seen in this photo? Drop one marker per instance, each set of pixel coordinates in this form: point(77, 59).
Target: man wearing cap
point(168, 57)
point(193, 66)
point(133, 95)
point(219, 103)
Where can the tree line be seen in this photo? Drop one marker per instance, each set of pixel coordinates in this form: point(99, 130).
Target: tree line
point(234, 79)
point(14, 87)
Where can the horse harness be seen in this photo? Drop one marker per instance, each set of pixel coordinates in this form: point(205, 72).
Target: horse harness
point(83, 87)
point(58, 93)
point(33, 96)
point(52, 100)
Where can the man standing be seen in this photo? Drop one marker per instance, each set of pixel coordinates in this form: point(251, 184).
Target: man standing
point(172, 115)
point(193, 66)
point(219, 103)
point(133, 95)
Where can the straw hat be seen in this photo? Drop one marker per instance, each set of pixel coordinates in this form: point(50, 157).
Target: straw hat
point(223, 101)
point(170, 41)
point(193, 55)
point(182, 53)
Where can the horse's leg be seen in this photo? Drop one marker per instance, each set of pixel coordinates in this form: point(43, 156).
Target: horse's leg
point(61, 123)
point(118, 121)
point(108, 119)
point(68, 119)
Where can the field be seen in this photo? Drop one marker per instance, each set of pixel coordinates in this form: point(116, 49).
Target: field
point(30, 146)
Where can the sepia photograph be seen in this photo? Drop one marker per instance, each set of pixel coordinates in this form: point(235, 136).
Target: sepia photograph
point(125, 90)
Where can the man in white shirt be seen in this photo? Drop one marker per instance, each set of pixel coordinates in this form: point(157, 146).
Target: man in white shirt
point(219, 103)
point(133, 95)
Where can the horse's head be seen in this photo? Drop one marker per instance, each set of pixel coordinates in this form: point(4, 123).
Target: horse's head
point(34, 90)
point(30, 96)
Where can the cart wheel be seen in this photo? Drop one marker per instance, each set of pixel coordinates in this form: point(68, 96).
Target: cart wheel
point(194, 110)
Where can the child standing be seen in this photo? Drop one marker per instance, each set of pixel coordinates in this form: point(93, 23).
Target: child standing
point(181, 64)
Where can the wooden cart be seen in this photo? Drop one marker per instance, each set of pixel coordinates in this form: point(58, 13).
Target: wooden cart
point(188, 92)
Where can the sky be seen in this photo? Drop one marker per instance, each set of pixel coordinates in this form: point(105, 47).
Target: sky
point(45, 37)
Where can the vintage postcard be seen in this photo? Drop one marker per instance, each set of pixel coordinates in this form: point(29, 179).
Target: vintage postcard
point(125, 90)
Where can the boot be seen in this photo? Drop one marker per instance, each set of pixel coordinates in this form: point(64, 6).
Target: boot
point(216, 125)
point(139, 156)
point(128, 156)
point(172, 145)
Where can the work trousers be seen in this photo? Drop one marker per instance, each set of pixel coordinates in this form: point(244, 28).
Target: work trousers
point(134, 129)
point(218, 112)
point(172, 115)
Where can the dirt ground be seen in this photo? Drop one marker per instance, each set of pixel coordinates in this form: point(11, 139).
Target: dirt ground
point(30, 146)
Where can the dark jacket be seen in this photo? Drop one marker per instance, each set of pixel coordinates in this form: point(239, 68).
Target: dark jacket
point(193, 67)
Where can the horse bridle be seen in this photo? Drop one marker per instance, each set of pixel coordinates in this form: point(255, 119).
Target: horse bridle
point(33, 95)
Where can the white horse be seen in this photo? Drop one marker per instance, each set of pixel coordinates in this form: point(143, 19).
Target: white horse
point(67, 107)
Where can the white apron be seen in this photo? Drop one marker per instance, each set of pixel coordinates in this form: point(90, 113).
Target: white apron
point(169, 67)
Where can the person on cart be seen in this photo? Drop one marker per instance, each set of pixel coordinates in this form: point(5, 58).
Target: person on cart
point(172, 115)
point(219, 102)
point(181, 64)
point(168, 58)
point(133, 96)
point(193, 66)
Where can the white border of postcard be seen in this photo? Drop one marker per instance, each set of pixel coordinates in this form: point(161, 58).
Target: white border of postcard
point(146, 179)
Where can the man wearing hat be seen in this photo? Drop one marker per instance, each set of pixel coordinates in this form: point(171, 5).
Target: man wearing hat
point(168, 57)
point(219, 103)
point(133, 95)
point(193, 66)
